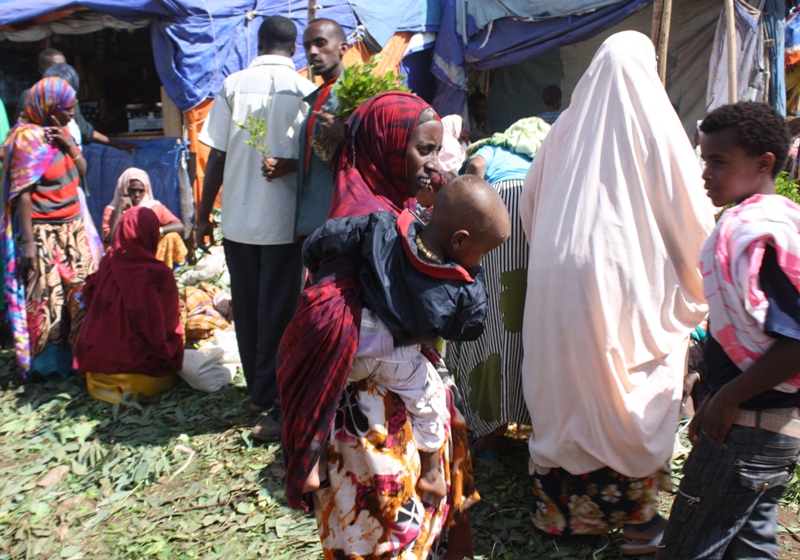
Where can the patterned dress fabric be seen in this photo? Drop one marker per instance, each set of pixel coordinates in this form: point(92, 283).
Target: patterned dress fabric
point(370, 507)
point(594, 503)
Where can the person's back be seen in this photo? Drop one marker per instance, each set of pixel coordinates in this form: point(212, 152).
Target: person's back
point(268, 89)
point(263, 259)
point(132, 323)
point(551, 96)
point(746, 434)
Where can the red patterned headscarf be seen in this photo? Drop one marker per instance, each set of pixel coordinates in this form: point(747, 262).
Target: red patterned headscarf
point(371, 170)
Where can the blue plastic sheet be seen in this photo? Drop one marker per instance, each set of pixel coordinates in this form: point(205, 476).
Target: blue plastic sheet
point(197, 43)
point(490, 10)
point(384, 19)
point(160, 158)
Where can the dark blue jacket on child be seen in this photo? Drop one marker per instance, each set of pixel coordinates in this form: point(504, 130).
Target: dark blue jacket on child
point(414, 298)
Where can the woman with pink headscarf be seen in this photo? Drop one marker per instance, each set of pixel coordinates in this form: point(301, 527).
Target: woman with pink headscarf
point(133, 189)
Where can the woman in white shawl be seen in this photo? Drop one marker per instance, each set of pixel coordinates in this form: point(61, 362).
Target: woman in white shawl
point(615, 214)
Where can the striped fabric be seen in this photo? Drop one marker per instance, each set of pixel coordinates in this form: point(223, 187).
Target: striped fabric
point(488, 370)
point(55, 198)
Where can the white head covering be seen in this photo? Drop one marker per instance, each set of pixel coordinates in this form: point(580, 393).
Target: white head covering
point(616, 216)
point(121, 190)
point(452, 154)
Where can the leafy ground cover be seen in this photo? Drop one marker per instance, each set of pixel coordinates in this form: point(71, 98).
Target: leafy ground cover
point(178, 477)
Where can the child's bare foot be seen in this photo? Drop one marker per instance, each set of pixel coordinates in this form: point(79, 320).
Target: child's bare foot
point(312, 482)
point(430, 479)
point(432, 482)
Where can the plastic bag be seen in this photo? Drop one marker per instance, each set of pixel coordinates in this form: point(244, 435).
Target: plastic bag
point(207, 268)
point(203, 369)
point(226, 340)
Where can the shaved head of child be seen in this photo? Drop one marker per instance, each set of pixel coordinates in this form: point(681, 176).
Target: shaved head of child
point(469, 219)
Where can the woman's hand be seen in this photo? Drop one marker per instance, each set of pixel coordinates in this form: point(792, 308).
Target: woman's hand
point(57, 133)
point(125, 203)
point(27, 258)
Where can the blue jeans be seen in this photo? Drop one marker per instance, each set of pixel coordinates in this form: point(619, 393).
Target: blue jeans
point(726, 505)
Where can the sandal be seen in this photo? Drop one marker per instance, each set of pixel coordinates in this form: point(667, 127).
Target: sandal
point(635, 547)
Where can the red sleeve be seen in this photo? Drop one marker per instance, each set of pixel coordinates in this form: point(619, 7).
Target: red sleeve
point(165, 217)
point(108, 215)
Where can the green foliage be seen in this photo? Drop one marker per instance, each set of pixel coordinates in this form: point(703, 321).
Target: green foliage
point(787, 187)
point(358, 83)
point(257, 129)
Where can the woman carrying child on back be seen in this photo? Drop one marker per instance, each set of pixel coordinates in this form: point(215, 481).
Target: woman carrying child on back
point(388, 155)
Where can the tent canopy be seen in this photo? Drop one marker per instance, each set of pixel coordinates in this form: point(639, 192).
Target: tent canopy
point(198, 43)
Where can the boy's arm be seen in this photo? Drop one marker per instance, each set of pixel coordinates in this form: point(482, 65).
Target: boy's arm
point(335, 237)
point(717, 414)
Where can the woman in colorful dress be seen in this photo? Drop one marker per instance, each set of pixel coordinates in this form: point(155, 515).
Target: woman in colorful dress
point(488, 370)
point(44, 242)
point(616, 217)
point(370, 506)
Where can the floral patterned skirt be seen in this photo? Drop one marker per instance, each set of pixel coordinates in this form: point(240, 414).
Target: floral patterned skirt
point(370, 508)
point(594, 503)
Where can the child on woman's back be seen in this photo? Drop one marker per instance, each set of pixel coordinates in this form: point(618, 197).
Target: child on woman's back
point(420, 282)
point(746, 434)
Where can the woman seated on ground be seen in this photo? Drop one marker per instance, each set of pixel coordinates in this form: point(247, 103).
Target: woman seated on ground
point(132, 330)
point(133, 189)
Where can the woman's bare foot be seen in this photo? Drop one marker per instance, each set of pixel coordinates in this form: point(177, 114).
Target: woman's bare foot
point(312, 482)
point(316, 475)
point(432, 482)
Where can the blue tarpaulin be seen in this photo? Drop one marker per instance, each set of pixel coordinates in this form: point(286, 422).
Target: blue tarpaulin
point(196, 43)
point(160, 158)
point(509, 41)
point(384, 19)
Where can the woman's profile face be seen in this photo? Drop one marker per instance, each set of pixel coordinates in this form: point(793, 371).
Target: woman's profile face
point(63, 117)
point(423, 155)
point(136, 192)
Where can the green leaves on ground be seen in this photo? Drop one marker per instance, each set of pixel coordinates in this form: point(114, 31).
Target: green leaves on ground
point(174, 478)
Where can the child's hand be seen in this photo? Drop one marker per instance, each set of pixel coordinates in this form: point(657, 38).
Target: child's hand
point(715, 417)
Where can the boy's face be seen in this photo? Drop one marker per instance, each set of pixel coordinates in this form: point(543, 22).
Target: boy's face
point(731, 174)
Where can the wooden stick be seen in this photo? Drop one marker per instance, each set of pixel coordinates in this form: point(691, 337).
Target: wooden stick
point(655, 32)
point(663, 40)
point(312, 15)
point(730, 23)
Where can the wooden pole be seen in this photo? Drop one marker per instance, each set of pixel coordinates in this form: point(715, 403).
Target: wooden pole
point(663, 40)
point(312, 15)
point(730, 24)
point(659, 34)
point(655, 32)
